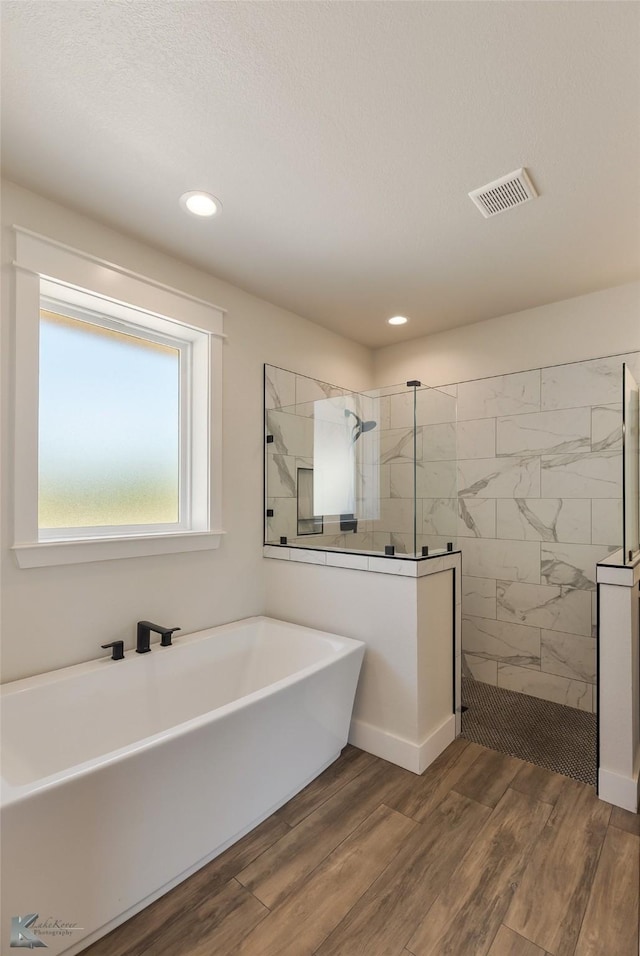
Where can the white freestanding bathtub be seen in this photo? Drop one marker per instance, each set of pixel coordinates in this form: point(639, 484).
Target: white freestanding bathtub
point(120, 778)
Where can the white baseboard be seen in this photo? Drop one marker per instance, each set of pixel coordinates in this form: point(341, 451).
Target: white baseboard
point(620, 791)
point(400, 751)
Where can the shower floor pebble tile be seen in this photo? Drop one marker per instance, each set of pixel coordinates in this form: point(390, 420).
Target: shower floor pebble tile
point(554, 736)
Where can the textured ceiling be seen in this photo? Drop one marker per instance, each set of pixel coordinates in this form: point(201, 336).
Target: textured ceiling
point(342, 139)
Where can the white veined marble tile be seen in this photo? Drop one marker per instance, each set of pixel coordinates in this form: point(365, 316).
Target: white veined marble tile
point(596, 475)
point(391, 566)
point(501, 395)
point(282, 554)
point(380, 539)
point(503, 560)
point(433, 406)
point(281, 476)
point(292, 434)
point(501, 641)
point(436, 479)
point(306, 409)
point(568, 655)
point(479, 669)
point(595, 382)
point(383, 407)
point(606, 521)
point(384, 481)
point(360, 541)
point(403, 542)
point(594, 613)
point(606, 427)
point(439, 516)
point(396, 514)
point(401, 409)
point(284, 521)
point(280, 387)
point(479, 596)
point(357, 562)
point(308, 557)
point(544, 519)
point(396, 445)
point(435, 542)
point(499, 477)
point(476, 517)
point(561, 690)
point(476, 438)
point(544, 433)
point(433, 479)
point(571, 565)
point(439, 442)
point(312, 390)
point(372, 483)
point(546, 606)
point(402, 479)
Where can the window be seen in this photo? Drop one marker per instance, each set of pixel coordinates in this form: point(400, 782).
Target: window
point(117, 412)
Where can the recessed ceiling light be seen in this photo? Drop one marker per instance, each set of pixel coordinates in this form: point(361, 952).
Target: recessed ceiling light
point(200, 204)
point(397, 320)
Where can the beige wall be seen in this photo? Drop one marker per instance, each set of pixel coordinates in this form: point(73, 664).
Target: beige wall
point(52, 617)
point(56, 616)
point(588, 326)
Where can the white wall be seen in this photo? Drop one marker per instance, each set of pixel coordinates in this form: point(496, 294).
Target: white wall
point(57, 616)
point(588, 326)
point(52, 617)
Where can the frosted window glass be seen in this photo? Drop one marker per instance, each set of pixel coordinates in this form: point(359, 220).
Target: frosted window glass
point(109, 412)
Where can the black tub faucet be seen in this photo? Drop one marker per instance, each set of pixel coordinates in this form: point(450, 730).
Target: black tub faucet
point(144, 635)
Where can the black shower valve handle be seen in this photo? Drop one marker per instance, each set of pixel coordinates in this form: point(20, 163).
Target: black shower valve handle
point(117, 650)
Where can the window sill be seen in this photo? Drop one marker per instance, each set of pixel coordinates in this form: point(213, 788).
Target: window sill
point(43, 554)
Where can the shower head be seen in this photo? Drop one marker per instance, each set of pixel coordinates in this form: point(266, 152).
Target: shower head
point(360, 427)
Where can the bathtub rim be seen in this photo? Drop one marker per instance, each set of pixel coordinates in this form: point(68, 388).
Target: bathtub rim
point(11, 793)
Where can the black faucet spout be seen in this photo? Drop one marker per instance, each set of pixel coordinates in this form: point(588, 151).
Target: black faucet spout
point(143, 642)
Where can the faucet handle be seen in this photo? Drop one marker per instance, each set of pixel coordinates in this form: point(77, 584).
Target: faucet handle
point(165, 635)
point(117, 650)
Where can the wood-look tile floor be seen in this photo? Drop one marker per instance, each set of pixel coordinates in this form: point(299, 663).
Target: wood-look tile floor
point(483, 855)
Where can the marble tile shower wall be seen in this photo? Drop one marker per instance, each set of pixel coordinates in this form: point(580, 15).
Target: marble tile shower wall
point(289, 400)
point(539, 503)
point(529, 482)
point(289, 406)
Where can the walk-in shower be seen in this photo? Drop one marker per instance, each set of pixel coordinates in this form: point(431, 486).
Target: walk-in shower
point(361, 471)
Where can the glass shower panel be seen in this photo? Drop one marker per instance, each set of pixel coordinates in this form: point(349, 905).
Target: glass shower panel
point(630, 464)
point(323, 471)
point(371, 471)
point(394, 526)
point(436, 469)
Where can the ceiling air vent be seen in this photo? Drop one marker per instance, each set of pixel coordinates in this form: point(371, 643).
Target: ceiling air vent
point(511, 190)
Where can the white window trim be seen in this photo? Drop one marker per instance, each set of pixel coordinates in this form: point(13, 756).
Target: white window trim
point(40, 258)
